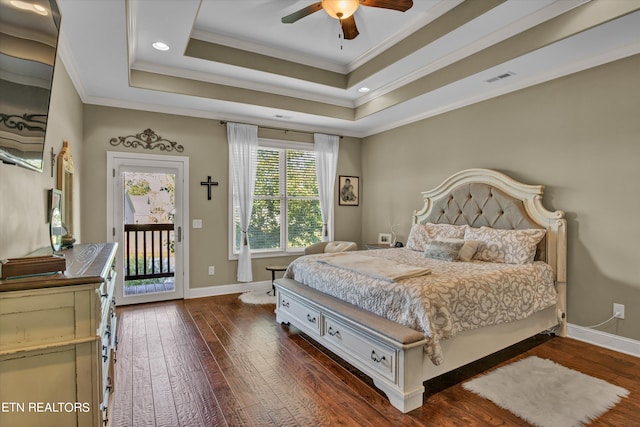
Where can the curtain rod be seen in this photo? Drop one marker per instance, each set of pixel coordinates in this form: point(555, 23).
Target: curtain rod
point(224, 123)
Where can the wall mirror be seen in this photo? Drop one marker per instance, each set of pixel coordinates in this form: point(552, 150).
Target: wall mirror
point(28, 42)
point(65, 184)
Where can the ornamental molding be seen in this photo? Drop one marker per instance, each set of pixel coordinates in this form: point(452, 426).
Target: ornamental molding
point(148, 140)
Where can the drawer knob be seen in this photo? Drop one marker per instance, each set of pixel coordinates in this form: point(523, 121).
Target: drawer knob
point(311, 319)
point(285, 303)
point(376, 358)
point(332, 332)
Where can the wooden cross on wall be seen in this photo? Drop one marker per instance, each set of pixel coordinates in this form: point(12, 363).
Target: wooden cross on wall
point(208, 183)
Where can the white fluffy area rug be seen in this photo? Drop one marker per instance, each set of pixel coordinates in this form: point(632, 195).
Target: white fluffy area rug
point(547, 394)
point(259, 296)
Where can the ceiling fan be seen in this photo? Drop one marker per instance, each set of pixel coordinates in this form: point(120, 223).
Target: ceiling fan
point(343, 11)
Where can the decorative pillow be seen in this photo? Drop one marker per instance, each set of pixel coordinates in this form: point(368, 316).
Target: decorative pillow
point(443, 250)
point(506, 246)
point(467, 250)
point(421, 234)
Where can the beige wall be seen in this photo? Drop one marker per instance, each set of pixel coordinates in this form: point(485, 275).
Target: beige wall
point(205, 143)
point(579, 136)
point(24, 193)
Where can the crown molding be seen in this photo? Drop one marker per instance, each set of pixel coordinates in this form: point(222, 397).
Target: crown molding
point(275, 52)
point(64, 53)
point(268, 88)
point(514, 28)
point(552, 74)
point(435, 12)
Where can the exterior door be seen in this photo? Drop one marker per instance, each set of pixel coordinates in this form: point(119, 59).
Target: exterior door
point(147, 202)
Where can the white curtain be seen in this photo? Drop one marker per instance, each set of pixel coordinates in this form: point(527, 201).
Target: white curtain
point(326, 148)
point(243, 156)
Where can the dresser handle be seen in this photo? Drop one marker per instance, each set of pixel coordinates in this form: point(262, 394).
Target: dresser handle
point(311, 319)
point(104, 353)
point(375, 357)
point(332, 332)
point(285, 303)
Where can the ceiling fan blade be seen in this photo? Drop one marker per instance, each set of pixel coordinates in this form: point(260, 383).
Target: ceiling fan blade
point(399, 5)
point(290, 19)
point(349, 28)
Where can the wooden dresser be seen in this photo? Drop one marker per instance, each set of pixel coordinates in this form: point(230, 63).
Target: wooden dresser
point(58, 342)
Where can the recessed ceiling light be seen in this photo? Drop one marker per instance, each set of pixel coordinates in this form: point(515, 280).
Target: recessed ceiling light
point(30, 7)
point(160, 46)
point(364, 89)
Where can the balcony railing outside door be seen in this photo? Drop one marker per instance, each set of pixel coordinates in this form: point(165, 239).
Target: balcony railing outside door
point(149, 251)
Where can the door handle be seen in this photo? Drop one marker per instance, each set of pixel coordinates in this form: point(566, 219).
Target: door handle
point(179, 234)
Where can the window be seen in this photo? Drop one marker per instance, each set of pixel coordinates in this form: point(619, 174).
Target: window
point(286, 207)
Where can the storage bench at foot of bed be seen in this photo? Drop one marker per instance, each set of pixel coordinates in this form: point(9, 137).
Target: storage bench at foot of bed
point(391, 354)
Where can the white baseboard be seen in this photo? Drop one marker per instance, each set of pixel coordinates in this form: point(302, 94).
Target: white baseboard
point(604, 339)
point(210, 291)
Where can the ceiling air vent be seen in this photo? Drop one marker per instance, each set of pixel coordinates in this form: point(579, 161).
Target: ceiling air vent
point(500, 77)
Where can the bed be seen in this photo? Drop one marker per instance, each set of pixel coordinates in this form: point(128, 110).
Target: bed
point(403, 316)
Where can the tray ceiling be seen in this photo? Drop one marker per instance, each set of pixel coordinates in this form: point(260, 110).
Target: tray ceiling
point(235, 60)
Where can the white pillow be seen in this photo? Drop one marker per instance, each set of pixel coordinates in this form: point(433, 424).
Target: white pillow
point(421, 234)
point(506, 246)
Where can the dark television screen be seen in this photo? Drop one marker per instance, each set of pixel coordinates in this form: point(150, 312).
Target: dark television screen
point(28, 41)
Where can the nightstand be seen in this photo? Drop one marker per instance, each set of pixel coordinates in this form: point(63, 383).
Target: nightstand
point(378, 246)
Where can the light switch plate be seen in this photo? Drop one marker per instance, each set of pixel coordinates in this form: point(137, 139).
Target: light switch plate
point(196, 223)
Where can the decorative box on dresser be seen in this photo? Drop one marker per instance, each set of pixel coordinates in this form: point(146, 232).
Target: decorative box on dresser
point(58, 342)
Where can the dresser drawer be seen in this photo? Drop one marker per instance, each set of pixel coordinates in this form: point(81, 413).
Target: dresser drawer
point(305, 317)
point(369, 352)
point(106, 292)
point(105, 360)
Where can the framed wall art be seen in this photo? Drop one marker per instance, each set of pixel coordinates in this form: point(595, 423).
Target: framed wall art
point(349, 190)
point(384, 238)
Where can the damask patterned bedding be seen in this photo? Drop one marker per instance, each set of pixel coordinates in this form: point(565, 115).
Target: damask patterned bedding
point(454, 297)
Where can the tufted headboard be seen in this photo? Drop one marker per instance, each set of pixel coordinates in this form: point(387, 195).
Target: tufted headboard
point(478, 197)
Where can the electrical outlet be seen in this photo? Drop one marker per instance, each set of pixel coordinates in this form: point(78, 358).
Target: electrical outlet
point(212, 270)
point(618, 311)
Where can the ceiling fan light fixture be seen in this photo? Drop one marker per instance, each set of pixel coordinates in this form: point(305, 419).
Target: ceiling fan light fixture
point(340, 9)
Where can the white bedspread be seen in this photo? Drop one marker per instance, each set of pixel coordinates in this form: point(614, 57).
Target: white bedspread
point(456, 296)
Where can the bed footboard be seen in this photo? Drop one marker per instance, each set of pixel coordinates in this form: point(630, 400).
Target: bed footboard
point(391, 354)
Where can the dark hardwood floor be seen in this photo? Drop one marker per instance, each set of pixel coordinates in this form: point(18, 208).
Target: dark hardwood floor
point(219, 362)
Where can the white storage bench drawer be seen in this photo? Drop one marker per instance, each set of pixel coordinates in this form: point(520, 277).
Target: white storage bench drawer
point(390, 353)
point(303, 316)
point(371, 353)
